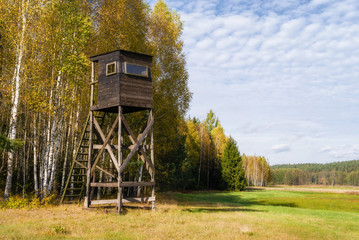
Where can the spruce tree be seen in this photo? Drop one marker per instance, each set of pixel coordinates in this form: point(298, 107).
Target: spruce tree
point(232, 171)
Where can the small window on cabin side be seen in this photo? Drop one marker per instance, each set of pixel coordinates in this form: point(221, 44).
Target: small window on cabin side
point(110, 68)
point(135, 69)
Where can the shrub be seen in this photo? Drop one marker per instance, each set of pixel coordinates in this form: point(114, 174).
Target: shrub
point(31, 201)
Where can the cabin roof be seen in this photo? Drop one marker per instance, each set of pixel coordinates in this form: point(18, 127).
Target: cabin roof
point(93, 58)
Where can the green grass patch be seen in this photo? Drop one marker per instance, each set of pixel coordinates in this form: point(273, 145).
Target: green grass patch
point(308, 200)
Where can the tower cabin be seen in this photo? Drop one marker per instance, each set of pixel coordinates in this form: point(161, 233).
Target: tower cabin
point(124, 79)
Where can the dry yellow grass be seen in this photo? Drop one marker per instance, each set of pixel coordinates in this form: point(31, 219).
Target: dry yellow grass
point(168, 222)
point(203, 215)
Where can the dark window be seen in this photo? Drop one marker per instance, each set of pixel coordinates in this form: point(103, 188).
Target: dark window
point(135, 69)
point(110, 68)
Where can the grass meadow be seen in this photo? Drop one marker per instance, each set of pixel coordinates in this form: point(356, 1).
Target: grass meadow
point(253, 214)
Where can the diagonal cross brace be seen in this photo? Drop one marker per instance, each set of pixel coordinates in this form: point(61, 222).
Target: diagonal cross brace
point(108, 173)
point(102, 136)
point(149, 165)
point(138, 143)
point(105, 143)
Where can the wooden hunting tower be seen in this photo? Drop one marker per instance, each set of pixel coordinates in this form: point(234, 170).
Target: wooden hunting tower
point(124, 79)
point(124, 86)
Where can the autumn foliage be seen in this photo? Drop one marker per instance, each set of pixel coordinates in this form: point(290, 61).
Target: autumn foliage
point(44, 93)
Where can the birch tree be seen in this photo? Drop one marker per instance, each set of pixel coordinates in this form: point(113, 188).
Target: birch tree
point(219, 141)
point(18, 30)
point(62, 38)
point(257, 170)
point(171, 93)
point(121, 24)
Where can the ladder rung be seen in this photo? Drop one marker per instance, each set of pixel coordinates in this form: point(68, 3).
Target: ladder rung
point(77, 182)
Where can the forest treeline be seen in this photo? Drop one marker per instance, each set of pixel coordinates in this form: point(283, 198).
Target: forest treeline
point(336, 173)
point(45, 47)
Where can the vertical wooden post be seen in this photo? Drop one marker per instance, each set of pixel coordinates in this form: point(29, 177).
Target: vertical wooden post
point(153, 162)
point(119, 180)
point(89, 159)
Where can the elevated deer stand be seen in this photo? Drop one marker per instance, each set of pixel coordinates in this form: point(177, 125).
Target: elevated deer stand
point(124, 86)
point(120, 162)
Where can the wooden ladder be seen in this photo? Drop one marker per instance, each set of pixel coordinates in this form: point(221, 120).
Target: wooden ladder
point(76, 180)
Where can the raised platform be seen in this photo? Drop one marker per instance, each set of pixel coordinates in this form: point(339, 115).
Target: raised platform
point(114, 109)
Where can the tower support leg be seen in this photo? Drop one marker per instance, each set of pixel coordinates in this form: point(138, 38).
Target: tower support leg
point(153, 163)
point(89, 159)
point(119, 180)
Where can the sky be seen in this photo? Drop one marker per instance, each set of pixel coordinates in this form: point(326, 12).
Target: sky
point(282, 76)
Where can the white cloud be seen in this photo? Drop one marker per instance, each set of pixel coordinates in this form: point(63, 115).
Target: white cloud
point(251, 128)
point(349, 151)
point(205, 43)
point(277, 71)
point(326, 149)
point(316, 3)
point(281, 148)
point(291, 28)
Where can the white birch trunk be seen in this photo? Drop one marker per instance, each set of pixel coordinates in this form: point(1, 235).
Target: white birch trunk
point(51, 154)
point(255, 172)
point(140, 180)
point(36, 185)
point(45, 159)
point(55, 159)
point(24, 158)
point(15, 99)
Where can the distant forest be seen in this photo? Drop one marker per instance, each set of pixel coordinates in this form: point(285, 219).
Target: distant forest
point(336, 173)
